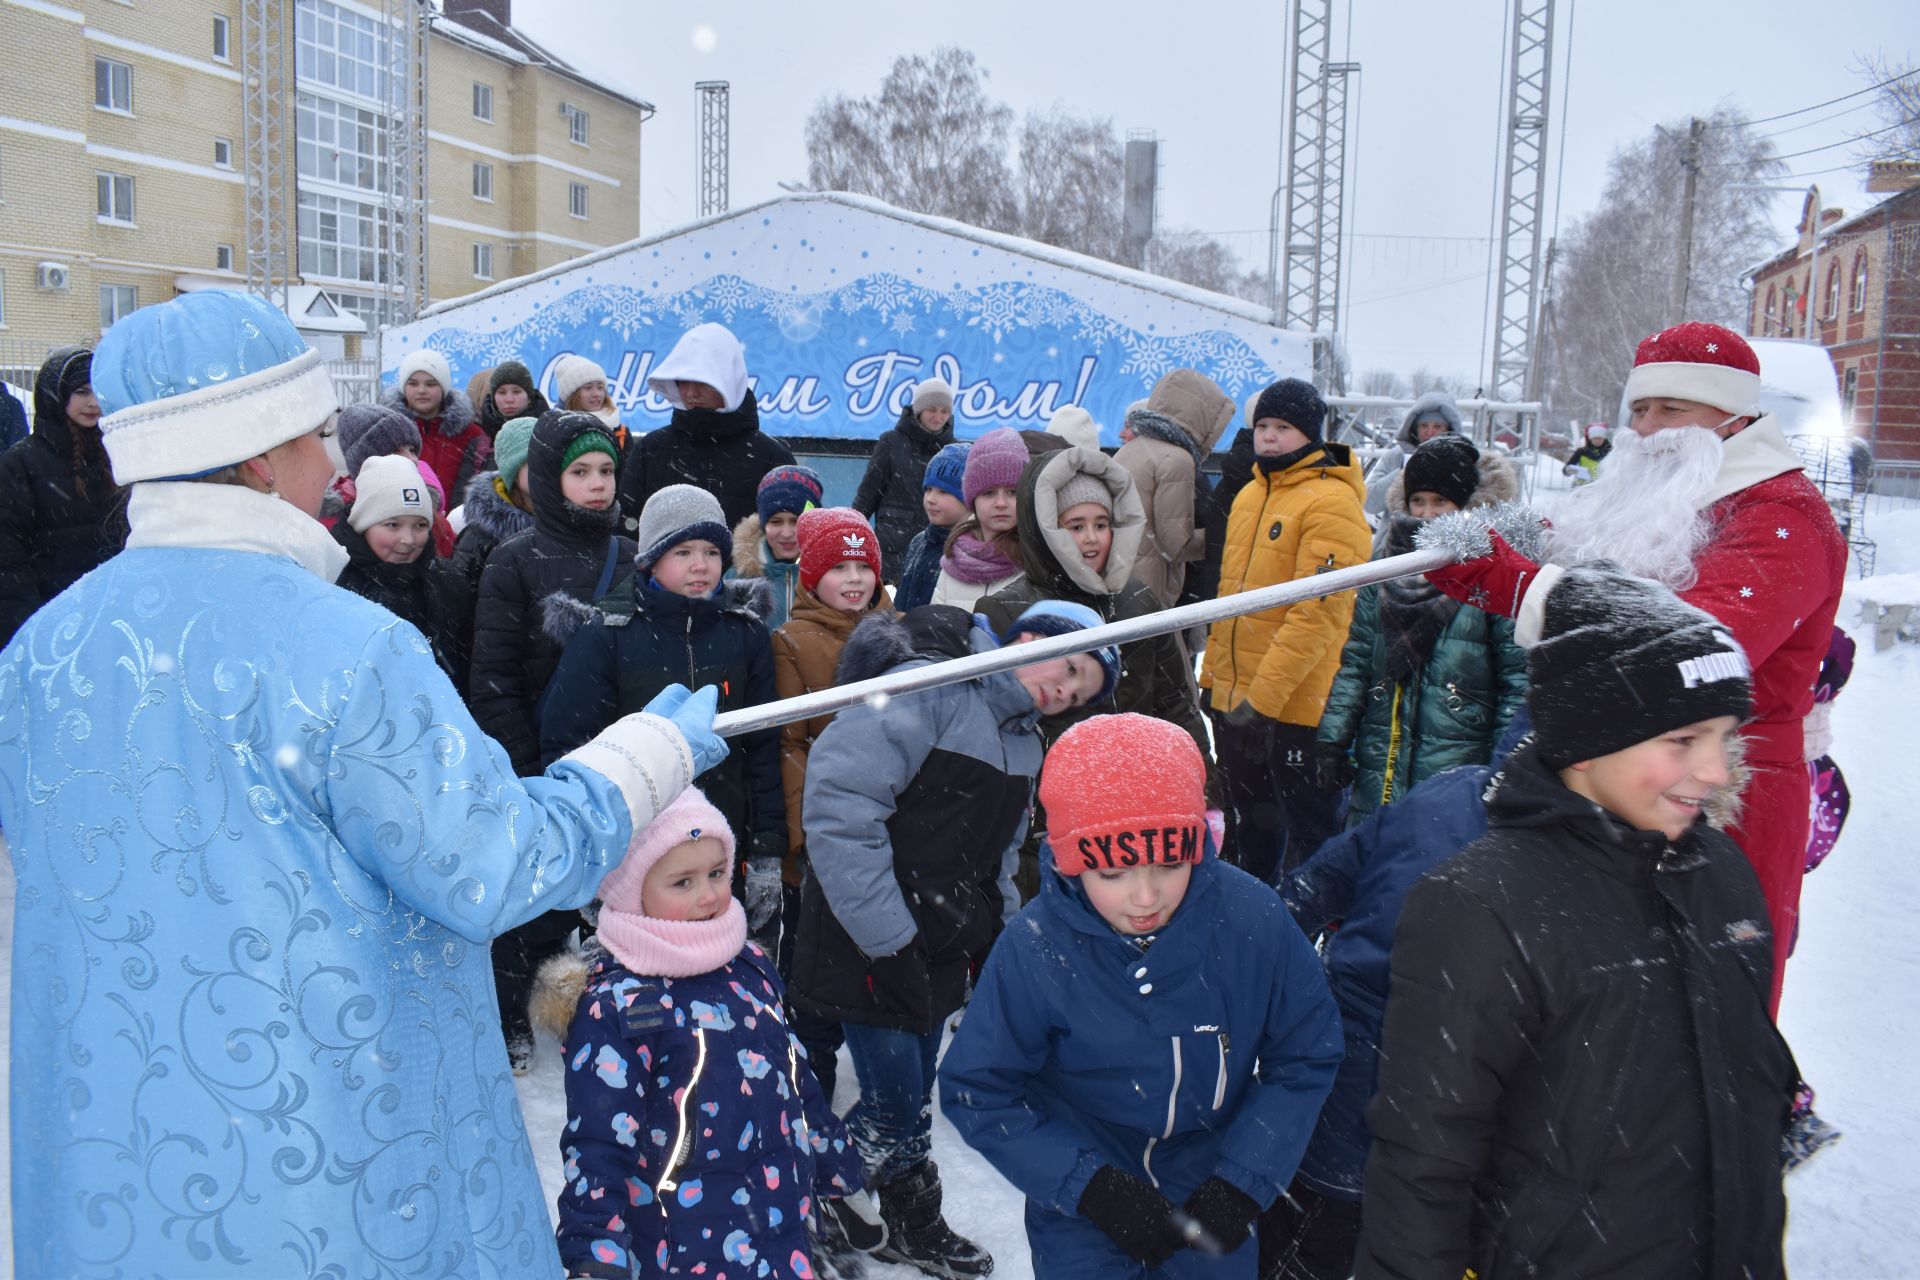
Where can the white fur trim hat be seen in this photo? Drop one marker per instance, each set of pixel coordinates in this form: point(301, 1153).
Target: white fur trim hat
point(1705, 363)
point(426, 361)
point(570, 373)
point(202, 382)
point(388, 486)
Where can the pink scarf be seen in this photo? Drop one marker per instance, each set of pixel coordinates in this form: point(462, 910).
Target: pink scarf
point(976, 562)
point(673, 948)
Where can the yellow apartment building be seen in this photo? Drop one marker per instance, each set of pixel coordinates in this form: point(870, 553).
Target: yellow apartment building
point(125, 128)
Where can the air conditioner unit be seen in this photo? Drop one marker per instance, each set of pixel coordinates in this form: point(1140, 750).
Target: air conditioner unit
point(54, 275)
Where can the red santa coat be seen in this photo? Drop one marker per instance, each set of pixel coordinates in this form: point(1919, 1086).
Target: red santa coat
point(1772, 572)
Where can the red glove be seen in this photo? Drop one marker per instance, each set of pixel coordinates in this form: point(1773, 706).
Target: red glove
point(1493, 583)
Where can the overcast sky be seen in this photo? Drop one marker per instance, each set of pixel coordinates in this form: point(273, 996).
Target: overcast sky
point(1208, 77)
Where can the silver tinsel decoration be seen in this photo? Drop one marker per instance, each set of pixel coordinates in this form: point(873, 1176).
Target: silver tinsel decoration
point(1464, 533)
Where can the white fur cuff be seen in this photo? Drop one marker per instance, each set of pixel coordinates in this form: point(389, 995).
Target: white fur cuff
point(1531, 621)
point(644, 756)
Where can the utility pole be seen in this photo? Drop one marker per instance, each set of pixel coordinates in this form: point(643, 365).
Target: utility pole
point(1677, 306)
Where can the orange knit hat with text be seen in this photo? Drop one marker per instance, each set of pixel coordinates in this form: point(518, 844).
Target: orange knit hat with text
point(1124, 791)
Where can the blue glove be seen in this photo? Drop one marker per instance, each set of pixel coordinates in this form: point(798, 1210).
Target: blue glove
point(692, 714)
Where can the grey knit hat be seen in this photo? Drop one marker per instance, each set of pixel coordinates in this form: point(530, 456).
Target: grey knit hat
point(680, 513)
point(1084, 488)
point(374, 431)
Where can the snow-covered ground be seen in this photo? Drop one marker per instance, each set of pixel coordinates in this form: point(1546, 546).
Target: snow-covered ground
point(1852, 1007)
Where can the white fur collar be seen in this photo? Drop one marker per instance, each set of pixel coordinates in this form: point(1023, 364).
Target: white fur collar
point(1760, 452)
point(230, 517)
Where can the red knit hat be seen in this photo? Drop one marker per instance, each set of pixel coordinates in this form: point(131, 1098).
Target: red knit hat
point(1697, 361)
point(1123, 791)
point(829, 535)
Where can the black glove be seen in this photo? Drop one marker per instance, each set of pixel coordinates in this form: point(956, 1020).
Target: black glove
point(764, 896)
point(1220, 1215)
point(1332, 767)
point(1134, 1215)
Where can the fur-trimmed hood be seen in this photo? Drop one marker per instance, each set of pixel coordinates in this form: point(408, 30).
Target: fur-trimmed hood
point(557, 988)
point(489, 510)
point(1047, 552)
point(561, 614)
point(883, 641)
point(1433, 402)
point(456, 411)
point(1498, 483)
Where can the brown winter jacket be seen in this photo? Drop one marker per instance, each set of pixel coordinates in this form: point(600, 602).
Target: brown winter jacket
point(1188, 403)
point(806, 652)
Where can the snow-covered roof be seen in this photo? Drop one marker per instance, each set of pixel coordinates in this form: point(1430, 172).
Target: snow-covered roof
point(313, 311)
point(1020, 245)
point(510, 44)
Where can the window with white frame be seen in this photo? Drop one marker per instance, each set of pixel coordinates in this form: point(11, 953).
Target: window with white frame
point(223, 257)
point(576, 123)
point(1832, 309)
point(482, 181)
point(113, 196)
point(482, 261)
point(339, 143)
point(1860, 281)
point(344, 49)
point(117, 301)
point(112, 86)
point(221, 30)
point(223, 152)
point(577, 199)
point(483, 102)
point(344, 239)
point(364, 306)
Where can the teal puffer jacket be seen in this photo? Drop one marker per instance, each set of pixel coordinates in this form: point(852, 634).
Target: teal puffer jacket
point(1473, 681)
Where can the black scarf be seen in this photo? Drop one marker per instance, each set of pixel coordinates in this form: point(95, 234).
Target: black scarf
point(1413, 612)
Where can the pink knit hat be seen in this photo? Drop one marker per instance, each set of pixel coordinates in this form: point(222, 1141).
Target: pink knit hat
point(994, 462)
point(690, 817)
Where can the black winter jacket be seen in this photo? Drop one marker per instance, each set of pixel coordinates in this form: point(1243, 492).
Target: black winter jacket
point(521, 618)
point(1203, 576)
point(56, 521)
point(914, 816)
point(491, 519)
point(427, 593)
point(639, 640)
point(724, 453)
point(491, 419)
point(890, 491)
point(1578, 1074)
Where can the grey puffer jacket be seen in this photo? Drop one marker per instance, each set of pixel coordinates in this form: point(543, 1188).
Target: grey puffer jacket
point(1389, 463)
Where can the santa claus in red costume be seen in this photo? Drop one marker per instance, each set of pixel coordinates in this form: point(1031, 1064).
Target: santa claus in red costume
point(1705, 495)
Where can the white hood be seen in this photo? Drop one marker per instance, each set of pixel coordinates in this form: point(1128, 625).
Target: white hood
point(707, 353)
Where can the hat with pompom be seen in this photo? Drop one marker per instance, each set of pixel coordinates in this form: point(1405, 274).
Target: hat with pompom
point(792, 489)
point(1706, 363)
point(1124, 791)
point(205, 381)
point(831, 534)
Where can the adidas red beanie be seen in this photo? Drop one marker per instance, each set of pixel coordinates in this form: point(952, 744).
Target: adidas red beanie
point(829, 535)
point(1124, 791)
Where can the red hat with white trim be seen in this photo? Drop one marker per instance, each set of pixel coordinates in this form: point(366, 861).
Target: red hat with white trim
point(829, 535)
point(1697, 361)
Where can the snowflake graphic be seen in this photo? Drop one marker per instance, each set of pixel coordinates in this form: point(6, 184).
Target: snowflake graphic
point(999, 310)
point(1145, 356)
point(1237, 369)
point(1746, 593)
point(886, 294)
point(728, 294)
point(902, 322)
point(625, 311)
point(1781, 533)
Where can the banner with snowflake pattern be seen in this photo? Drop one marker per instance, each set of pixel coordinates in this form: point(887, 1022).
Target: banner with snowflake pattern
point(843, 303)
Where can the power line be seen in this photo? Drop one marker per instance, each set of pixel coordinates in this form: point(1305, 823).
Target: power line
point(1785, 115)
point(1795, 128)
point(1909, 122)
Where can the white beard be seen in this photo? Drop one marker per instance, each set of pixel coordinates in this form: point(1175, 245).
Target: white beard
point(1644, 511)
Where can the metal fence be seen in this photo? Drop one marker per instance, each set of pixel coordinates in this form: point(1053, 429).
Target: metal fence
point(355, 381)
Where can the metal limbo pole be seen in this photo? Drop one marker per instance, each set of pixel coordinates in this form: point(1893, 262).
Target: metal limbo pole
point(730, 724)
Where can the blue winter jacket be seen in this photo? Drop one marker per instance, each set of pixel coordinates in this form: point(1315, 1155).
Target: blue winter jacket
point(1208, 1054)
point(920, 568)
point(1360, 880)
point(696, 1134)
point(261, 847)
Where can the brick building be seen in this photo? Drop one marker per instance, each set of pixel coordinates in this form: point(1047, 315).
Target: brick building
point(124, 175)
point(1865, 307)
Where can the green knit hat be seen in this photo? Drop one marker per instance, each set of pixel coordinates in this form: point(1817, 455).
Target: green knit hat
point(510, 449)
point(588, 442)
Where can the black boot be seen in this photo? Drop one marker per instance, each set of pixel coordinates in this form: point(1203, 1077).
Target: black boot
point(916, 1233)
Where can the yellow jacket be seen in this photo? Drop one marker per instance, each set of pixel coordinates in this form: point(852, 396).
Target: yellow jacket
point(1291, 524)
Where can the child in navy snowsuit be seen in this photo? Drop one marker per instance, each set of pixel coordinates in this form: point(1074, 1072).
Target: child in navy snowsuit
point(696, 1138)
point(1151, 1038)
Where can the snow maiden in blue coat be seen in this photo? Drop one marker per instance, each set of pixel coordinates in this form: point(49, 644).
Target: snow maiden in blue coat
point(1151, 1038)
point(261, 847)
point(696, 1138)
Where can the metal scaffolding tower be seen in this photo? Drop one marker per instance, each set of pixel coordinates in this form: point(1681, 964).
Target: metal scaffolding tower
point(1518, 266)
point(266, 93)
point(406, 185)
point(711, 138)
point(1304, 249)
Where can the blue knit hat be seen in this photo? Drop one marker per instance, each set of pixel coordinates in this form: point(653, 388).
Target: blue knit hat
point(946, 469)
point(792, 489)
point(1063, 617)
point(205, 381)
